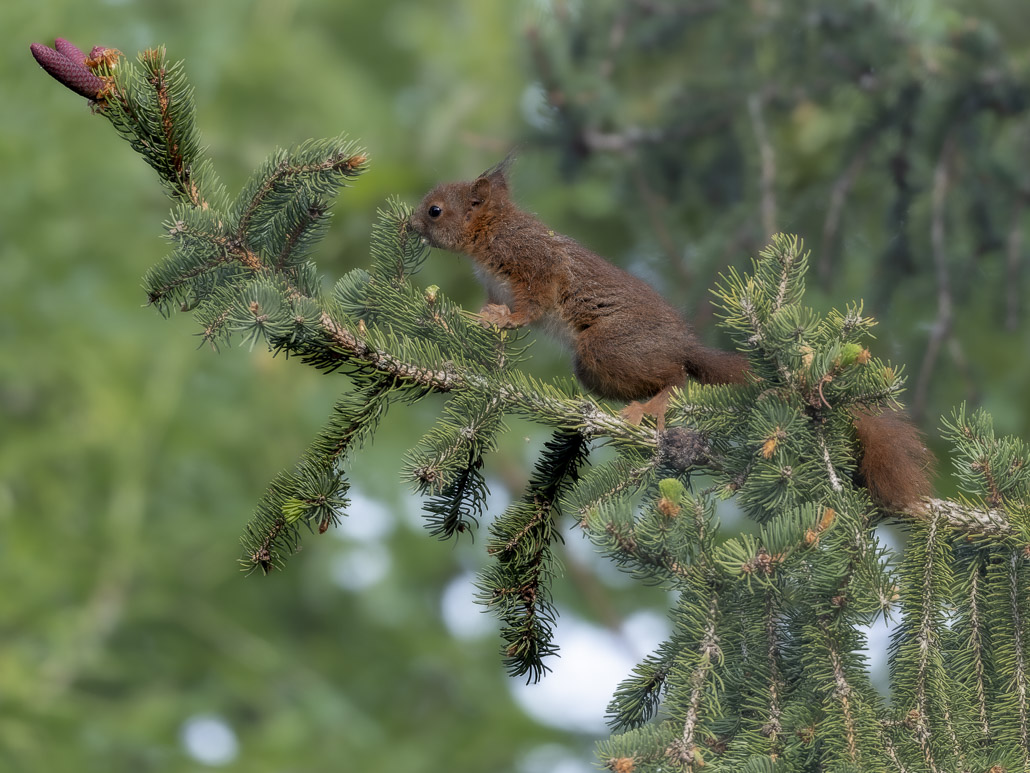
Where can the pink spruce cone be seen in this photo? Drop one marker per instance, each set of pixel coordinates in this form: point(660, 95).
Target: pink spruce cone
point(65, 66)
point(69, 50)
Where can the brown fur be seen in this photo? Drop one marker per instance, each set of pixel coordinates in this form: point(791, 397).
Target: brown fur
point(627, 342)
point(896, 466)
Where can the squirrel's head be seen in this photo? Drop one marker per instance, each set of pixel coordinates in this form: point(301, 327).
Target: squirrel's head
point(447, 216)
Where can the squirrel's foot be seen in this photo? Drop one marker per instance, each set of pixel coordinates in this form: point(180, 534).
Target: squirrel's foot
point(496, 314)
point(633, 413)
point(656, 406)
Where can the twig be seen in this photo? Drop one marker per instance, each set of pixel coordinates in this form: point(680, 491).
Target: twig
point(616, 37)
point(684, 749)
point(942, 326)
point(678, 9)
point(976, 644)
point(655, 206)
point(926, 636)
point(1014, 257)
point(619, 142)
point(1021, 680)
point(773, 652)
point(768, 157)
point(542, 63)
point(842, 691)
point(958, 356)
point(835, 483)
point(965, 518)
point(888, 745)
point(838, 196)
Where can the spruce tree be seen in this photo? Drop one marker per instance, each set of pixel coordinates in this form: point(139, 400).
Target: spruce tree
point(763, 670)
point(889, 133)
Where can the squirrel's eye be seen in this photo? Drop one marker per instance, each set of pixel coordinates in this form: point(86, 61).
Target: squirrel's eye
point(435, 211)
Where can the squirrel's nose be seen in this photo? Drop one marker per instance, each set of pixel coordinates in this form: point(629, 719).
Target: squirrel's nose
point(412, 225)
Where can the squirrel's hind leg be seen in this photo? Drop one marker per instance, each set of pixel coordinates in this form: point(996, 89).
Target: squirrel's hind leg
point(656, 406)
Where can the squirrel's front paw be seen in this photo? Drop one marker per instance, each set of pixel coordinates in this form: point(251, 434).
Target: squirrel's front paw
point(496, 314)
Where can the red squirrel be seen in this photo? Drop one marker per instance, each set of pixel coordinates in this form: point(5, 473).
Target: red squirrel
point(627, 342)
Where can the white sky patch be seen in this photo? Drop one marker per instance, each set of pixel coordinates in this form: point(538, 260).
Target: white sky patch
point(361, 567)
point(878, 633)
point(366, 519)
point(878, 639)
point(593, 661)
point(890, 537)
point(464, 618)
point(209, 739)
point(534, 107)
point(645, 630)
point(582, 550)
point(730, 517)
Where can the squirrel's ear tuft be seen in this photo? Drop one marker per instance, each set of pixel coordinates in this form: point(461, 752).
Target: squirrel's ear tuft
point(498, 174)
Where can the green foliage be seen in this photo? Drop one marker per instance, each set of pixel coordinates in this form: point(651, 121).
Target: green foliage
point(131, 458)
point(151, 106)
point(987, 466)
point(890, 133)
point(763, 669)
point(448, 461)
point(517, 586)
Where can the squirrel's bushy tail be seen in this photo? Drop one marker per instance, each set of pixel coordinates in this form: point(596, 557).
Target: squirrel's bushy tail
point(896, 466)
point(715, 366)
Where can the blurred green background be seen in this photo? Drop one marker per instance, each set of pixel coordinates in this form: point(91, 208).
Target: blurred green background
point(131, 460)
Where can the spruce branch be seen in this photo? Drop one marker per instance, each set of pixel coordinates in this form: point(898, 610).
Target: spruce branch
point(458, 508)
point(447, 463)
point(918, 638)
point(978, 644)
point(516, 587)
point(685, 749)
point(841, 694)
point(973, 519)
point(312, 172)
point(774, 647)
point(151, 106)
point(762, 669)
point(314, 493)
point(638, 698)
point(1020, 663)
